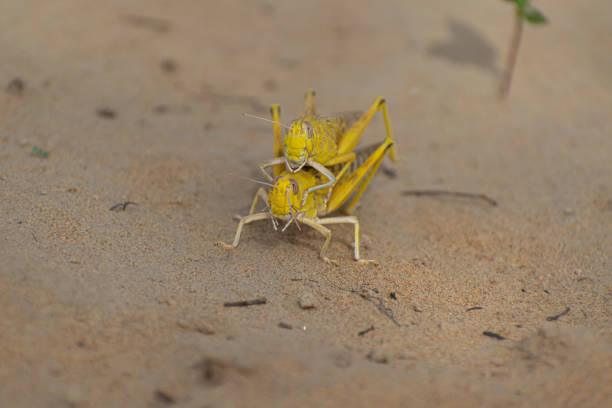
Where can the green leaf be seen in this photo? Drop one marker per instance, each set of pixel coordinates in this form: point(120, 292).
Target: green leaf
point(521, 3)
point(534, 16)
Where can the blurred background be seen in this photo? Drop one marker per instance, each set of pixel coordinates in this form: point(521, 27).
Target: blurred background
point(107, 102)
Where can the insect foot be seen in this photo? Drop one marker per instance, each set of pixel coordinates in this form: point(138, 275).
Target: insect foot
point(224, 245)
point(368, 262)
point(330, 261)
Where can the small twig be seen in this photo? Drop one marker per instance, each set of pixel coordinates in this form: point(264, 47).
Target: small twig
point(493, 335)
point(420, 193)
point(243, 303)
point(474, 308)
point(122, 206)
point(16, 86)
point(106, 113)
point(388, 312)
point(366, 331)
point(512, 54)
point(389, 172)
point(557, 316)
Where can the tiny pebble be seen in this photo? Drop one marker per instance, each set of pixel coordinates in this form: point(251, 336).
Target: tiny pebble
point(74, 396)
point(171, 392)
point(16, 86)
point(167, 301)
point(497, 361)
point(196, 325)
point(270, 85)
point(168, 65)
point(106, 113)
point(307, 300)
point(342, 359)
point(568, 211)
point(378, 355)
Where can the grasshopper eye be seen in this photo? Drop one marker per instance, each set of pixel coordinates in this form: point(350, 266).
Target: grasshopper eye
point(295, 188)
point(308, 129)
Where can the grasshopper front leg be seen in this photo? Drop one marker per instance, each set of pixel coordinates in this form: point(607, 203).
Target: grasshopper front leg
point(320, 168)
point(269, 163)
point(347, 158)
point(261, 193)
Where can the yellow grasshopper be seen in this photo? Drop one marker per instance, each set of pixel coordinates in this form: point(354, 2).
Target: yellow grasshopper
point(320, 141)
point(289, 199)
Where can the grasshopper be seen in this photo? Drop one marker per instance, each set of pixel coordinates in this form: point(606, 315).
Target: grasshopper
point(320, 141)
point(289, 199)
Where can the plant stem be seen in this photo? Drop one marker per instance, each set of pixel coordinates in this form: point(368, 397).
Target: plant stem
point(512, 54)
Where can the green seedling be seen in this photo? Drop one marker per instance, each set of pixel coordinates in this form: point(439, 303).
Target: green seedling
point(524, 11)
point(37, 151)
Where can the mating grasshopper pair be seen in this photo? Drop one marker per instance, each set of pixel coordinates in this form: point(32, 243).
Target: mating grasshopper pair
point(317, 147)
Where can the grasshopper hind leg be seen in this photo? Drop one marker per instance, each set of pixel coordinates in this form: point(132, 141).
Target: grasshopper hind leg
point(309, 104)
point(350, 207)
point(278, 139)
point(316, 225)
point(350, 220)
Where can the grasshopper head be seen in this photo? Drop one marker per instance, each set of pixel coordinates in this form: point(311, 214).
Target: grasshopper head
point(284, 198)
point(298, 144)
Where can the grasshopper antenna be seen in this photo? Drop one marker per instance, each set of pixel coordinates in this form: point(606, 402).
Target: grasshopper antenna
point(248, 115)
point(250, 179)
point(274, 224)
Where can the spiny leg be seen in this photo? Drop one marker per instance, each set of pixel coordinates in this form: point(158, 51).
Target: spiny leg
point(347, 159)
point(244, 220)
point(261, 193)
point(351, 158)
point(278, 139)
point(346, 186)
point(309, 104)
point(349, 220)
point(351, 137)
point(350, 208)
point(326, 233)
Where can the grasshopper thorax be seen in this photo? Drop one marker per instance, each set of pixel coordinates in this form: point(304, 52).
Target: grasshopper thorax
point(298, 144)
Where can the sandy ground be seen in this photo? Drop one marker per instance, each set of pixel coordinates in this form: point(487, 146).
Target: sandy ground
point(141, 101)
